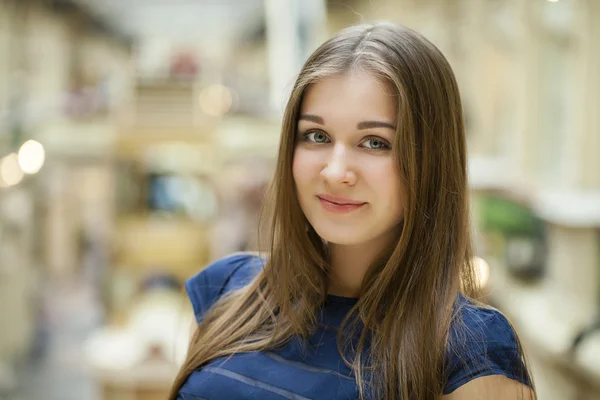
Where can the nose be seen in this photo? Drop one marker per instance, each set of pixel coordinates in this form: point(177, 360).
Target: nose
point(337, 170)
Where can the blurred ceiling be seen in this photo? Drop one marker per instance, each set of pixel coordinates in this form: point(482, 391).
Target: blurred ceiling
point(180, 19)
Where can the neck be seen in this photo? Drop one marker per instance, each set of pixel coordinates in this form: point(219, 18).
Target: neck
point(349, 264)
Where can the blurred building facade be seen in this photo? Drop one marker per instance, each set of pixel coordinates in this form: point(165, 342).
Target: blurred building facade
point(63, 79)
point(155, 136)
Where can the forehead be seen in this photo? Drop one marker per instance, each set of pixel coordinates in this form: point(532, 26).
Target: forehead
point(354, 95)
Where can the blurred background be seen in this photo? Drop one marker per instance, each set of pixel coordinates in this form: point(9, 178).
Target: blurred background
point(137, 138)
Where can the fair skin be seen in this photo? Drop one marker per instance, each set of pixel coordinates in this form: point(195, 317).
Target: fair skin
point(349, 189)
point(493, 387)
point(345, 132)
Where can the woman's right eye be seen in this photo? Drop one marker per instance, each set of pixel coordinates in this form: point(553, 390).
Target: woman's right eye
point(315, 137)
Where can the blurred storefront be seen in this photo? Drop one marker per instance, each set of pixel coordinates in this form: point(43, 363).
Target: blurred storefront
point(154, 144)
point(63, 77)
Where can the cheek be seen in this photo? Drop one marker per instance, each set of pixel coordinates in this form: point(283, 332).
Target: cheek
point(303, 168)
point(297, 168)
point(397, 198)
point(388, 184)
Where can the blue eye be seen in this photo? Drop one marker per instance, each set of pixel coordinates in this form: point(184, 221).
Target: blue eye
point(375, 143)
point(316, 137)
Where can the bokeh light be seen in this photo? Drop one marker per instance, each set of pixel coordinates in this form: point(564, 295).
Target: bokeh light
point(31, 156)
point(482, 269)
point(215, 100)
point(10, 171)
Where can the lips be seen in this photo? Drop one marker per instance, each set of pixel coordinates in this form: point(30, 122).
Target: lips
point(339, 204)
point(342, 201)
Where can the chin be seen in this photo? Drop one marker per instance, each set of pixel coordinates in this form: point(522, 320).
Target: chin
point(341, 236)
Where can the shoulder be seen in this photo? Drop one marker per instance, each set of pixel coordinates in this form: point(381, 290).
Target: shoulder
point(482, 342)
point(228, 273)
point(493, 387)
point(480, 322)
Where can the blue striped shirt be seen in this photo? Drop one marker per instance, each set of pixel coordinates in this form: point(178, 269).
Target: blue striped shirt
point(314, 369)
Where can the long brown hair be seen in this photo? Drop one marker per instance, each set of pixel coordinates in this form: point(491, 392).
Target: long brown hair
point(407, 300)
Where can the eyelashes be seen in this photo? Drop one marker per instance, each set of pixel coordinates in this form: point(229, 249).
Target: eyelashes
point(371, 142)
point(382, 144)
point(315, 136)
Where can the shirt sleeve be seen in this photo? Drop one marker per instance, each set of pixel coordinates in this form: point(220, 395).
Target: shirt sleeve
point(229, 273)
point(483, 343)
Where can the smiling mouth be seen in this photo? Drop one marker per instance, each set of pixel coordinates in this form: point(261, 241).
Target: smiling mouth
point(338, 205)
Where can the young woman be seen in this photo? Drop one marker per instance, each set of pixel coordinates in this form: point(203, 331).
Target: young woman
point(367, 291)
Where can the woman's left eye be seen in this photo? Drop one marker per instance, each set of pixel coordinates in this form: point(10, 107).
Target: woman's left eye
point(375, 143)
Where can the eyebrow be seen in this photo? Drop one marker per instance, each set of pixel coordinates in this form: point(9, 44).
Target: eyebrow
point(360, 126)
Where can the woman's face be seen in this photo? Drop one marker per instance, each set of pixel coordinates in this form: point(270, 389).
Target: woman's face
point(346, 179)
